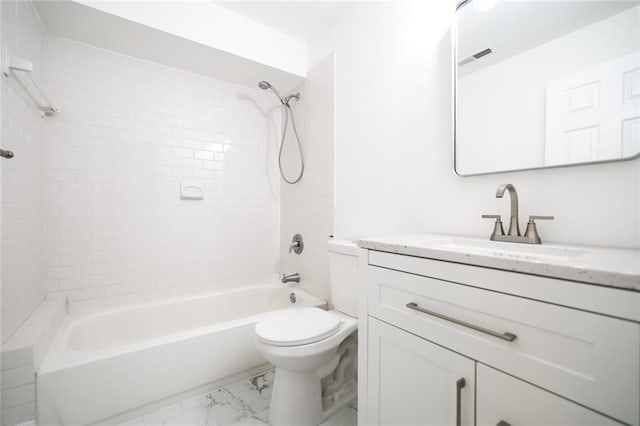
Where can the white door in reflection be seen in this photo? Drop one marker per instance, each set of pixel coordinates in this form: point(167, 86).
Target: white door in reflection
point(594, 114)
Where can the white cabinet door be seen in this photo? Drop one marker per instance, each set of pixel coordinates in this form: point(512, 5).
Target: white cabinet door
point(504, 400)
point(412, 381)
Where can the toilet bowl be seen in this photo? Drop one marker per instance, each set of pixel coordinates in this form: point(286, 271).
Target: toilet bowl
point(313, 350)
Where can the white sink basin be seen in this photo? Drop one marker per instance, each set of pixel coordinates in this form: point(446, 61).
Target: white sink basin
point(528, 252)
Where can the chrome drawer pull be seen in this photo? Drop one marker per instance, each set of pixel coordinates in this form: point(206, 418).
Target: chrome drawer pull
point(459, 385)
point(510, 337)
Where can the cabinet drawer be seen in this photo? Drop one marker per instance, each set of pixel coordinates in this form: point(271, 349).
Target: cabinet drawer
point(580, 355)
point(502, 398)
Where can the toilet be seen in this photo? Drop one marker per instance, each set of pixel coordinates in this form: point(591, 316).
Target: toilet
point(315, 351)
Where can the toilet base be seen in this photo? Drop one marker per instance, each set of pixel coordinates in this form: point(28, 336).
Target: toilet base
point(296, 399)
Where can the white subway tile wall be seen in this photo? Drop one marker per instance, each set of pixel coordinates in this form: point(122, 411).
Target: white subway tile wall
point(21, 208)
point(307, 207)
point(116, 230)
point(20, 356)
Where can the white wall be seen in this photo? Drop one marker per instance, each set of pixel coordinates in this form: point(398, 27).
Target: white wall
point(511, 134)
point(393, 162)
point(130, 132)
point(307, 207)
point(21, 209)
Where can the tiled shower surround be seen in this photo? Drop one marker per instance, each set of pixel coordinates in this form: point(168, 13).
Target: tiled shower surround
point(21, 252)
point(130, 132)
point(307, 207)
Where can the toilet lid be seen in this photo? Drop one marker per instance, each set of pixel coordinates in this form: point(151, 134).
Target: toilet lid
point(297, 326)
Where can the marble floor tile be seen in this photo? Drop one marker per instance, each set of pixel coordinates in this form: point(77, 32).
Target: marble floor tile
point(245, 403)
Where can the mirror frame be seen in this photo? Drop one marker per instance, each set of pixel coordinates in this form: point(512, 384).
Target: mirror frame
point(454, 51)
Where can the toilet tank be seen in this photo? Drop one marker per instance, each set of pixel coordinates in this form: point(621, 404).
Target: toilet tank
point(343, 276)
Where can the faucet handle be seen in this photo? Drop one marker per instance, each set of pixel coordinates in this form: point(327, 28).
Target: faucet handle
point(532, 232)
point(297, 245)
point(534, 218)
point(497, 217)
point(497, 227)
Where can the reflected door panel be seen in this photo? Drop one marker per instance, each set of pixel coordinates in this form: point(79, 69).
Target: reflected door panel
point(594, 114)
point(545, 84)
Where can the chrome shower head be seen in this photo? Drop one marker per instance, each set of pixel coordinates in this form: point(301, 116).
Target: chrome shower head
point(264, 85)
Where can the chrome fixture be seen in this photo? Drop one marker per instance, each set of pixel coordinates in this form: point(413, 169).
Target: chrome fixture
point(291, 96)
point(297, 245)
point(514, 227)
point(531, 233)
point(513, 236)
point(291, 278)
point(460, 383)
point(264, 85)
point(509, 337)
point(292, 297)
point(6, 154)
point(13, 64)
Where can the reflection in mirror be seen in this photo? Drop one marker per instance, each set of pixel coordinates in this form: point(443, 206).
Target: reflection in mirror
point(546, 83)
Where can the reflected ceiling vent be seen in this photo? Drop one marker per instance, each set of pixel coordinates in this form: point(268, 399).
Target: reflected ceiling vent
point(465, 61)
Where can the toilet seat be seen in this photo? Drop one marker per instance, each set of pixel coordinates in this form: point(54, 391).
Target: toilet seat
point(298, 326)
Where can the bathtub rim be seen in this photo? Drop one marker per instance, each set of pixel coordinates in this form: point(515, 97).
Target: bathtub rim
point(60, 357)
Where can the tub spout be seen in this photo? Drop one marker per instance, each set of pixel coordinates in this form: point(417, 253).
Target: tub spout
point(295, 278)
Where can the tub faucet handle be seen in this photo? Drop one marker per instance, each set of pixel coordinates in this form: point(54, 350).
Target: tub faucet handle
point(297, 245)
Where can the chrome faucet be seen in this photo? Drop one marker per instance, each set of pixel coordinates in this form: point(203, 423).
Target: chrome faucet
point(514, 226)
point(291, 278)
point(513, 236)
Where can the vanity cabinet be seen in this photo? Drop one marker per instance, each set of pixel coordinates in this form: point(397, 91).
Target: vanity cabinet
point(504, 400)
point(532, 350)
point(418, 382)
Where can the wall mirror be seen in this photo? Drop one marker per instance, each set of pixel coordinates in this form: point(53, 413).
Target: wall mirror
point(545, 83)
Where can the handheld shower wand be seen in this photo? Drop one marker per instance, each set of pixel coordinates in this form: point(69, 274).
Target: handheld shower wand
point(264, 85)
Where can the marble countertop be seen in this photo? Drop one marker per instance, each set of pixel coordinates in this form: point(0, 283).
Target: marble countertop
point(612, 267)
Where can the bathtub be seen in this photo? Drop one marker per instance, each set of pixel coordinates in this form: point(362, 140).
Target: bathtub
point(105, 364)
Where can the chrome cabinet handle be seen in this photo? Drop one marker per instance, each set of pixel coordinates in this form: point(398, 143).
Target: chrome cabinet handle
point(503, 423)
point(6, 154)
point(509, 337)
point(459, 385)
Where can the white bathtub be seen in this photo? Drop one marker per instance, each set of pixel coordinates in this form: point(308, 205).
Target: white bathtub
point(105, 364)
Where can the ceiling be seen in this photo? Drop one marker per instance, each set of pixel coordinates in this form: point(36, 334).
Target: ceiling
point(299, 19)
point(514, 26)
point(86, 24)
